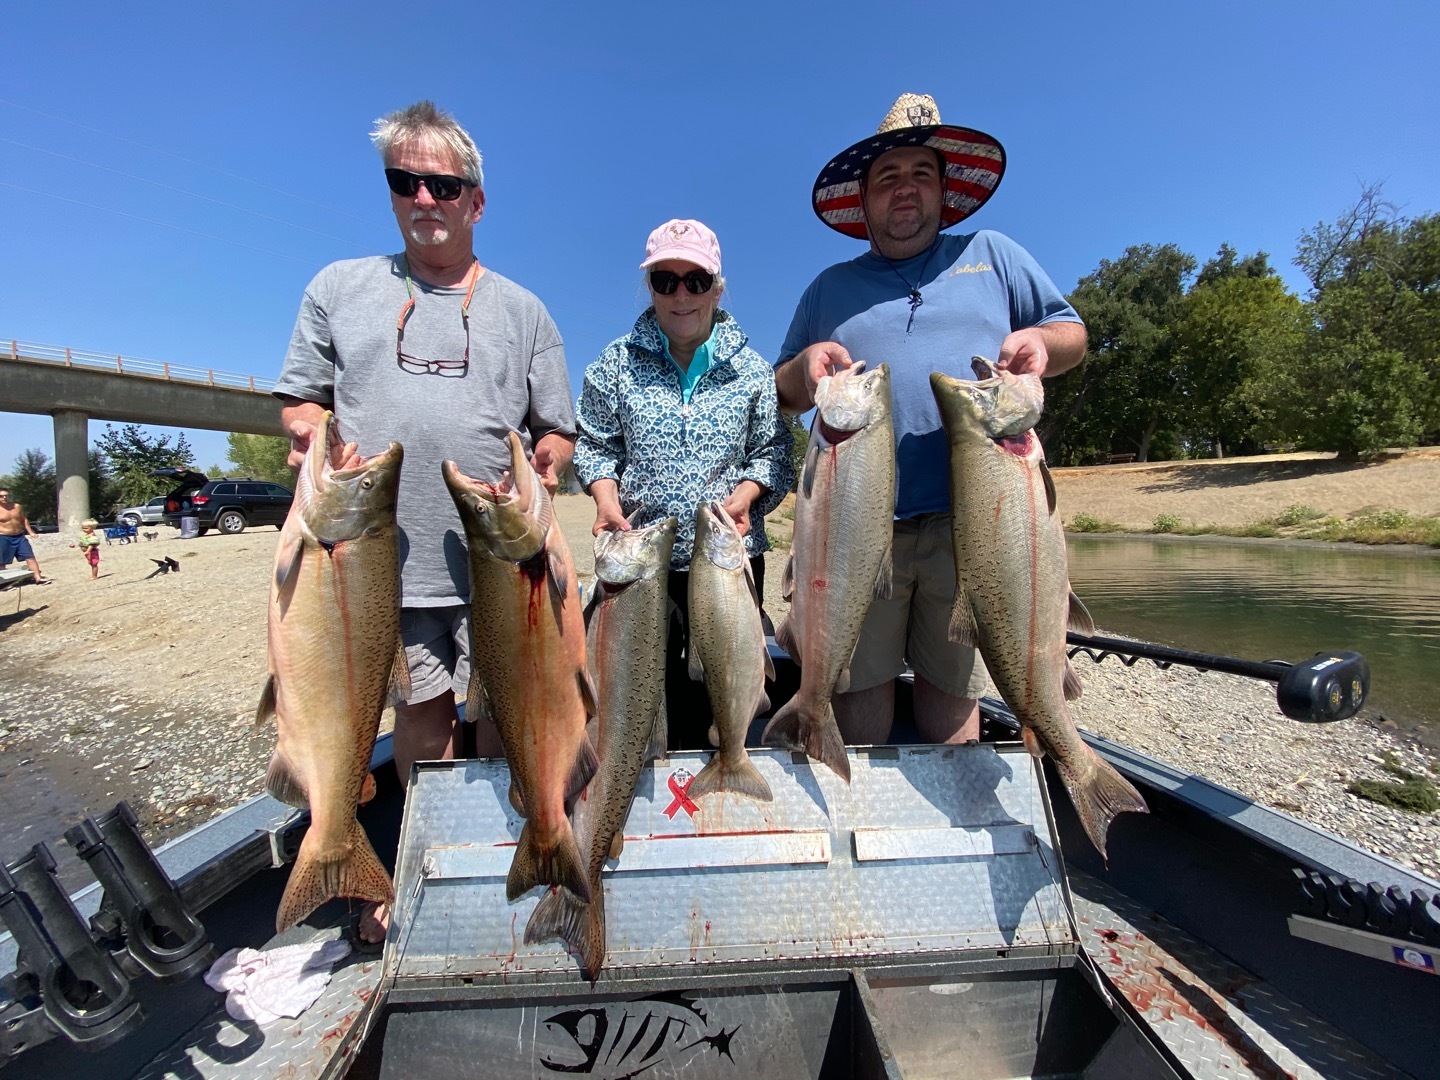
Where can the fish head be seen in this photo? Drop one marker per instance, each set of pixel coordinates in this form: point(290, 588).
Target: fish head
point(343, 504)
point(510, 519)
point(717, 538)
point(851, 400)
point(1000, 408)
point(636, 554)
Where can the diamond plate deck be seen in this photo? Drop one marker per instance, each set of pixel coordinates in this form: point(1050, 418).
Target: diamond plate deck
point(969, 868)
point(1217, 1018)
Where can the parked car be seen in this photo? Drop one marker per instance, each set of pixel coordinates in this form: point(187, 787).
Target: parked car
point(152, 513)
point(230, 505)
point(184, 481)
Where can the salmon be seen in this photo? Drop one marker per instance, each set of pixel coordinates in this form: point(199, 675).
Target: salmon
point(1012, 599)
point(840, 555)
point(528, 669)
point(625, 645)
point(727, 650)
point(333, 650)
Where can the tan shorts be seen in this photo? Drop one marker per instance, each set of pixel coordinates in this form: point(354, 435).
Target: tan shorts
point(437, 647)
point(913, 626)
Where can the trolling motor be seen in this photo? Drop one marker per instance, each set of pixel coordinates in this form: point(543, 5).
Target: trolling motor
point(1321, 690)
point(140, 899)
point(62, 974)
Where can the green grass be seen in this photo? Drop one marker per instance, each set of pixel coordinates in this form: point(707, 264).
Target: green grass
point(1410, 791)
point(1372, 525)
point(1089, 523)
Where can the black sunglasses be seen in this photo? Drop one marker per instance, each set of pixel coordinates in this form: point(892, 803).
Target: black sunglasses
point(443, 188)
point(666, 282)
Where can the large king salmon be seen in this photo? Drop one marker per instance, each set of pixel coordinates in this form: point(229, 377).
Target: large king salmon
point(334, 647)
point(628, 621)
point(528, 670)
point(1012, 597)
point(840, 553)
point(727, 650)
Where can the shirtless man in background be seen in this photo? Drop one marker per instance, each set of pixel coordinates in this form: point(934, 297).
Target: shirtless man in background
point(15, 533)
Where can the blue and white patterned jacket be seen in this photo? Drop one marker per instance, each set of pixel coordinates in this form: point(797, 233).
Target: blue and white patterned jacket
point(665, 455)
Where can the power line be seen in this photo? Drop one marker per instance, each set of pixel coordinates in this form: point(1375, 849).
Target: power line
point(182, 191)
point(178, 157)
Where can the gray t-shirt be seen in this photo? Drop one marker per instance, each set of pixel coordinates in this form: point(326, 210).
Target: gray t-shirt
point(342, 355)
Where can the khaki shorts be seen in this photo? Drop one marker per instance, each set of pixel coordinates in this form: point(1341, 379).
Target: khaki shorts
point(914, 624)
point(437, 648)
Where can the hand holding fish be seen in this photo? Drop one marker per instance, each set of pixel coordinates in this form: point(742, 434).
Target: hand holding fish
point(819, 360)
point(301, 420)
point(1024, 352)
point(738, 504)
point(608, 514)
point(544, 462)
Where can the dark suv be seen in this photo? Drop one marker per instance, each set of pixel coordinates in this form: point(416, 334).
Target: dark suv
point(229, 505)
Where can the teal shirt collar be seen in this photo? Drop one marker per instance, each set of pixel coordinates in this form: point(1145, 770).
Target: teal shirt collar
point(699, 363)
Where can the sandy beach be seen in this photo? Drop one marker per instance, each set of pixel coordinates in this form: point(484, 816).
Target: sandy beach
point(144, 688)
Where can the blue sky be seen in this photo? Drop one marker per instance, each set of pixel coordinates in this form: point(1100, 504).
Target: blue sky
point(172, 175)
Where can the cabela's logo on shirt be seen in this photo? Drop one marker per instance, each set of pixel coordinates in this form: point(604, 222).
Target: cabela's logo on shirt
point(972, 268)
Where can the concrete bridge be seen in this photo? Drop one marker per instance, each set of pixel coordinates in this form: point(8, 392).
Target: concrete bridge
point(75, 387)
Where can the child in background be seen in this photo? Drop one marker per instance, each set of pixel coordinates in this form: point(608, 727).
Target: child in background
point(90, 546)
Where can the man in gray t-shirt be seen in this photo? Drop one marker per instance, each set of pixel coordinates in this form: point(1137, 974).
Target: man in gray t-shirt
point(475, 356)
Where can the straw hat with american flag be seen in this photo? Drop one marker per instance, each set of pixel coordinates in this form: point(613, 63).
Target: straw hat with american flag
point(974, 163)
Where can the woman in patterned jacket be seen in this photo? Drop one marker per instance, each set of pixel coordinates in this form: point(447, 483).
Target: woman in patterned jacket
point(679, 411)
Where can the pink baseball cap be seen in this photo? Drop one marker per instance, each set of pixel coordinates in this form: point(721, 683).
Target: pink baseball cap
point(686, 239)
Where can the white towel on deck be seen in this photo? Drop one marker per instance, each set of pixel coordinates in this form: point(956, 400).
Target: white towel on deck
point(264, 986)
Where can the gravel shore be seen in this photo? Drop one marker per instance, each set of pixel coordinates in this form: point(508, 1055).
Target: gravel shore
point(145, 688)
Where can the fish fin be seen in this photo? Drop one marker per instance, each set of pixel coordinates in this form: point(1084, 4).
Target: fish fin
point(266, 709)
point(353, 869)
point(1100, 794)
point(559, 574)
point(400, 689)
point(735, 774)
point(580, 926)
point(1049, 485)
point(477, 701)
point(885, 574)
point(1073, 688)
point(819, 737)
point(517, 797)
point(590, 604)
point(659, 734)
point(617, 845)
point(714, 736)
point(1079, 618)
point(692, 662)
point(962, 620)
point(769, 665)
point(785, 638)
point(559, 865)
point(787, 580)
point(762, 706)
point(367, 789)
point(287, 568)
point(586, 763)
point(1032, 742)
point(842, 681)
point(588, 693)
point(812, 462)
point(282, 783)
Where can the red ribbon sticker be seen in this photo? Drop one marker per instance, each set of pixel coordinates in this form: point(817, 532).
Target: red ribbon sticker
point(680, 781)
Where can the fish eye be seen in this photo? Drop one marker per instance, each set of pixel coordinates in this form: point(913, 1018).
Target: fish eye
point(367, 483)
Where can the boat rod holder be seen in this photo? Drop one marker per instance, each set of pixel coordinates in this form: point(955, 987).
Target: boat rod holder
point(1327, 687)
point(81, 991)
point(160, 933)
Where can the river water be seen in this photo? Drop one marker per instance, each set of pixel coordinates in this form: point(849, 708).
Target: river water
point(1267, 601)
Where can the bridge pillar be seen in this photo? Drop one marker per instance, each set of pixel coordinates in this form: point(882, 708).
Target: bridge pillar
point(72, 468)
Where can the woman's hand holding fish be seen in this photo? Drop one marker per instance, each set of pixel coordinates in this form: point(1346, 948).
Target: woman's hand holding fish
point(608, 515)
point(738, 504)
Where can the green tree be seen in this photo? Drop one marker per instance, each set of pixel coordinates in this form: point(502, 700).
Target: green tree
point(103, 492)
point(262, 457)
point(133, 455)
point(1239, 320)
point(32, 485)
point(1131, 386)
point(1369, 374)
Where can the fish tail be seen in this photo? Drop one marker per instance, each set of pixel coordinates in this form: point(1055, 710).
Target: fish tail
point(581, 926)
point(538, 864)
point(737, 774)
point(351, 869)
point(796, 728)
point(1100, 794)
point(282, 783)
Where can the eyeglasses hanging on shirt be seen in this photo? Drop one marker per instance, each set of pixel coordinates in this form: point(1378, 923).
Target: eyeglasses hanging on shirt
point(415, 365)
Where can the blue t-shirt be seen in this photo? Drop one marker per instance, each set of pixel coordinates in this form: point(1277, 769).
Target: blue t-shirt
point(975, 290)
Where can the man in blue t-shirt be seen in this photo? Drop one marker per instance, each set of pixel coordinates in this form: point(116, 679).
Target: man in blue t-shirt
point(920, 302)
